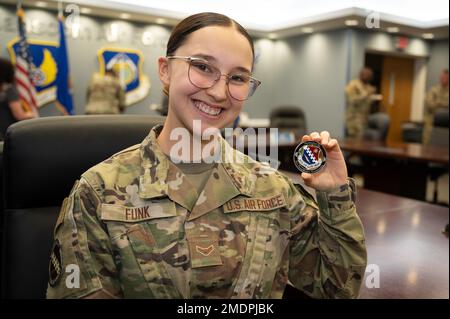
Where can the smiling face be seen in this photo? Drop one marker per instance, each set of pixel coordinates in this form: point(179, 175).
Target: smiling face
point(226, 49)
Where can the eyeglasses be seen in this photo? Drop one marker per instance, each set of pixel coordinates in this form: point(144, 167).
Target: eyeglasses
point(203, 75)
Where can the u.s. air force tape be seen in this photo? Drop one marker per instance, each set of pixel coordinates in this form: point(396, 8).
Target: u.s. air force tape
point(310, 157)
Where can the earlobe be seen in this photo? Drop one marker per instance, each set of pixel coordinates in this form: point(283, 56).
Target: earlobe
point(164, 75)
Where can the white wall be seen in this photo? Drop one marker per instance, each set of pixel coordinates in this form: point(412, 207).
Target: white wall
point(312, 75)
point(438, 61)
point(306, 71)
point(418, 93)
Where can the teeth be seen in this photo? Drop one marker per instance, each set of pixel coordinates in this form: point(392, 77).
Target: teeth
point(207, 109)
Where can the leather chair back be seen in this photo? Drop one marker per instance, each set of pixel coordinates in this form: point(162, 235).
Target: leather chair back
point(42, 158)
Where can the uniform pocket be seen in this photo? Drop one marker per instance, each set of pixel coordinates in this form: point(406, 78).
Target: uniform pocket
point(154, 259)
point(267, 241)
point(147, 239)
point(157, 219)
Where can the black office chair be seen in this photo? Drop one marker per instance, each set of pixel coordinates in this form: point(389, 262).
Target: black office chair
point(438, 137)
point(42, 159)
point(1, 200)
point(412, 132)
point(376, 130)
point(440, 130)
point(289, 117)
point(1, 184)
point(377, 127)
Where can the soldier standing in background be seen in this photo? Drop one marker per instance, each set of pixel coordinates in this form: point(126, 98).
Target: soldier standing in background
point(142, 224)
point(360, 96)
point(437, 97)
point(105, 94)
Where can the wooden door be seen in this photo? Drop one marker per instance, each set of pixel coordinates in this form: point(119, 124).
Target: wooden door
point(396, 87)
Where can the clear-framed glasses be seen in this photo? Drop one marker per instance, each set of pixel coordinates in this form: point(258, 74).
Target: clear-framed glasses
point(204, 75)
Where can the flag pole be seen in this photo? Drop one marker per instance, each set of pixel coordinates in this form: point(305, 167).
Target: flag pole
point(28, 104)
point(58, 105)
point(64, 102)
point(60, 9)
point(61, 108)
point(19, 9)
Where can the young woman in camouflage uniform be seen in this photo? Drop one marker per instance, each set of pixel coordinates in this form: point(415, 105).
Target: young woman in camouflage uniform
point(140, 225)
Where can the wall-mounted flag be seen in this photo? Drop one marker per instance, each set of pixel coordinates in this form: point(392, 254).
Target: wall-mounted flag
point(43, 55)
point(63, 84)
point(128, 65)
point(25, 71)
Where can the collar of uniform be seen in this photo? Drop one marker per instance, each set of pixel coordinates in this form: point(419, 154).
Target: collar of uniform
point(218, 190)
point(157, 172)
point(238, 166)
point(230, 178)
point(154, 167)
point(160, 177)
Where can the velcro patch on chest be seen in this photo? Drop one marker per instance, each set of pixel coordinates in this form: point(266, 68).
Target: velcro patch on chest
point(204, 252)
point(255, 204)
point(136, 214)
point(55, 266)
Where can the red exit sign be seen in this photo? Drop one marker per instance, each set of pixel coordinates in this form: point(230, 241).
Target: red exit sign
point(401, 43)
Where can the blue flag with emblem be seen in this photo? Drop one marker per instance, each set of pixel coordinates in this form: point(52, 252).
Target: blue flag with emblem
point(63, 88)
point(128, 64)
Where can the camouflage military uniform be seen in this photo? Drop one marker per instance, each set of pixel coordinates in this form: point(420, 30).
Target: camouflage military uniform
point(136, 228)
point(105, 95)
point(437, 97)
point(358, 107)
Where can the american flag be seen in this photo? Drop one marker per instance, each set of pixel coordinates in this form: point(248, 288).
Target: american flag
point(24, 68)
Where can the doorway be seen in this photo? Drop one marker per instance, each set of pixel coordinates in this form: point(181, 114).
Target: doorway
point(394, 78)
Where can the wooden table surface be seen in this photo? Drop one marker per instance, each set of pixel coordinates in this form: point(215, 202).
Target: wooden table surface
point(405, 243)
point(401, 169)
point(409, 151)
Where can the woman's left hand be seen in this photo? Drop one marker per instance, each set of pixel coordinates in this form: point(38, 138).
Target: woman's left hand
point(335, 171)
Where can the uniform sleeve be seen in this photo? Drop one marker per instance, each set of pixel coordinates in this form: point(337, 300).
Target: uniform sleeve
point(327, 247)
point(82, 261)
point(12, 94)
point(121, 98)
point(88, 94)
point(432, 100)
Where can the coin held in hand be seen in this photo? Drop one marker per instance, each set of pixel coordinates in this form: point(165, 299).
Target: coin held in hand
point(310, 157)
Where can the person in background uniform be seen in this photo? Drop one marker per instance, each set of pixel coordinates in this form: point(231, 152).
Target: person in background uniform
point(11, 110)
point(437, 97)
point(360, 96)
point(150, 222)
point(105, 94)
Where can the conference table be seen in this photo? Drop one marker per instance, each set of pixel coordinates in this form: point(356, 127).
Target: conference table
point(396, 168)
point(408, 151)
point(408, 254)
